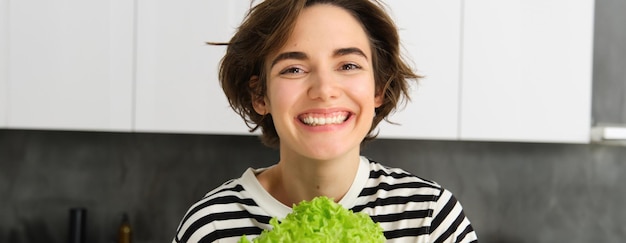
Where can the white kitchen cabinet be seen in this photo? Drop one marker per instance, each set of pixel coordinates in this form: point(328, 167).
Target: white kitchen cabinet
point(497, 70)
point(4, 62)
point(71, 64)
point(527, 70)
point(430, 33)
point(177, 86)
point(494, 70)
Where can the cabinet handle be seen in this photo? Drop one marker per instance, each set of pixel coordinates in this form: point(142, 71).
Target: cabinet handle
point(609, 134)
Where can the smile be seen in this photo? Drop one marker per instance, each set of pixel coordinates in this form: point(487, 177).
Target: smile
point(313, 119)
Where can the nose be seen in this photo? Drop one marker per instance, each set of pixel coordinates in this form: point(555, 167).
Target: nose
point(324, 86)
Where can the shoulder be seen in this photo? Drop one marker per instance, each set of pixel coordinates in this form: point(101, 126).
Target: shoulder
point(225, 212)
point(384, 179)
point(377, 169)
point(411, 208)
point(392, 191)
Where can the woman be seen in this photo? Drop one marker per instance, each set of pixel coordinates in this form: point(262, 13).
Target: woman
point(317, 76)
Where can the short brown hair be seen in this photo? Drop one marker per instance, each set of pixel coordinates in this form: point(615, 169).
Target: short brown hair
point(267, 28)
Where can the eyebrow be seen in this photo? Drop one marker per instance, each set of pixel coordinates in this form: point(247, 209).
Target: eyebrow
point(303, 56)
point(348, 51)
point(289, 55)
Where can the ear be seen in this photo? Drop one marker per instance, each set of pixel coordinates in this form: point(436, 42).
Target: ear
point(378, 99)
point(258, 97)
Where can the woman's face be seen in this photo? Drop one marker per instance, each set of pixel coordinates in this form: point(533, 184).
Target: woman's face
point(320, 86)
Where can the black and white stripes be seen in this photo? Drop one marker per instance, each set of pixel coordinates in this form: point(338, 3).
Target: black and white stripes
point(409, 209)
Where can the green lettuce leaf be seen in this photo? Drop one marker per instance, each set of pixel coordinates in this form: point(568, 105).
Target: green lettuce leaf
point(321, 220)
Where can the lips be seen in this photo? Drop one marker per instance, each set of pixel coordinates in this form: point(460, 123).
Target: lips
point(321, 119)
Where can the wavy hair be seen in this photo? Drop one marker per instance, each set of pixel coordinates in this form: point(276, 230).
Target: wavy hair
point(267, 27)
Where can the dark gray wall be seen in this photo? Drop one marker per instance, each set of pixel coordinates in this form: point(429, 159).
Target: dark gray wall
point(512, 192)
point(609, 72)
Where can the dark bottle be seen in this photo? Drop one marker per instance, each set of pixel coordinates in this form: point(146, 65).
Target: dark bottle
point(125, 232)
point(78, 220)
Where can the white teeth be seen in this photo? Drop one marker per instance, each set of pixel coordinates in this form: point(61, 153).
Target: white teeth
point(320, 121)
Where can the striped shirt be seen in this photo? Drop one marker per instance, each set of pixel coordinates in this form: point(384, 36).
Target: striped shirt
point(408, 208)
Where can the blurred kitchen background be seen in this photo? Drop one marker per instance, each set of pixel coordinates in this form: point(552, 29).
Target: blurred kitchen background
point(514, 189)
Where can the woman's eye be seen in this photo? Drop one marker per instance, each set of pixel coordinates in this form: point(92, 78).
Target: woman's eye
point(350, 66)
point(292, 70)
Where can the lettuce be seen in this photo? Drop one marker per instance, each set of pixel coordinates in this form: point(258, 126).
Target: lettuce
point(321, 220)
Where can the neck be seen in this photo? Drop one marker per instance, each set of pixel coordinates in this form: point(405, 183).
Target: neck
point(295, 179)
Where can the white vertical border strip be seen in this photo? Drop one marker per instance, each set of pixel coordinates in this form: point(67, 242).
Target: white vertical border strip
point(588, 9)
point(4, 63)
point(459, 107)
point(134, 89)
point(145, 64)
point(121, 64)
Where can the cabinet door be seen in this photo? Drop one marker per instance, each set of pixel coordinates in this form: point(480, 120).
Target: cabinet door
point(4, 62)
point(70, 64)
point(177, 85)
point(526, 72)
point(430, 36)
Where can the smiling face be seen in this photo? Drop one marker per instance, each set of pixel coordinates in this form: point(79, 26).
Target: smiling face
point(320, 86)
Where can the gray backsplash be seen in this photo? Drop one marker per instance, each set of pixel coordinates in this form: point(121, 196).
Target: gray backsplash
point(512, 192)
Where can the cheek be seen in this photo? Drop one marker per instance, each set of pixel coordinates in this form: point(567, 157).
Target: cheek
point(282, 96)
point(364, 89)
